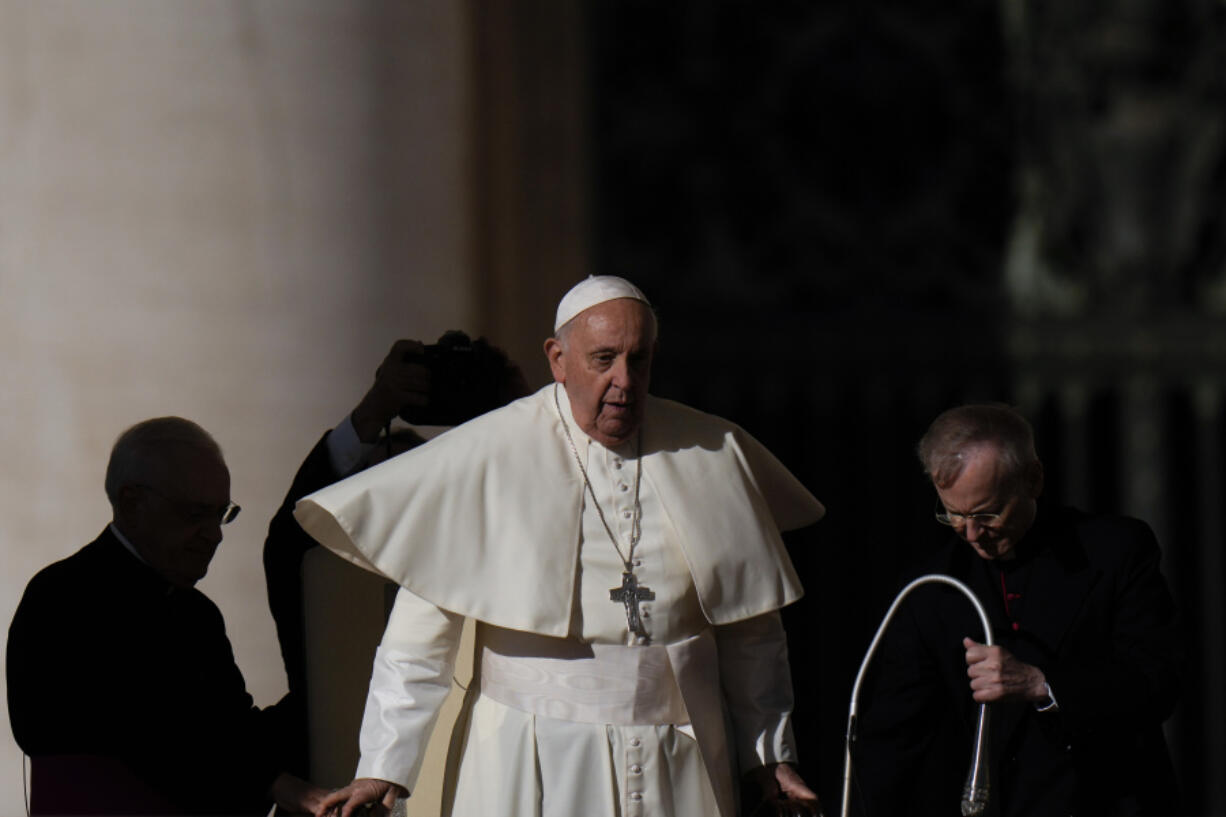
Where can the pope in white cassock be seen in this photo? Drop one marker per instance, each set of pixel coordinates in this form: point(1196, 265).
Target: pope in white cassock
point(621, 555)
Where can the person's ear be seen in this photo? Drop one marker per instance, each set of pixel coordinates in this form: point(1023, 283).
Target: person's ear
point(130, 500)
point(554, 353)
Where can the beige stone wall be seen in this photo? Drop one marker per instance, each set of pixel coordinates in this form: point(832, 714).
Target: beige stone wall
point(224, 210)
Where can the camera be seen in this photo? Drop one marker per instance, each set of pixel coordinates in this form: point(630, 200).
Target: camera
point(466, 379)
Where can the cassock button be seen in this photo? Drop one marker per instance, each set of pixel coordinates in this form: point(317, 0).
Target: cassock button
point(617, 463)
point(636, 796)
point(626, 514)
point(636, 769)
point(1016, 626)
point(635, 742)
point(623, 487)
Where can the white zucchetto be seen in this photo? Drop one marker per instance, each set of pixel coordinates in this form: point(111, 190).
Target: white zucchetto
point(593, 290)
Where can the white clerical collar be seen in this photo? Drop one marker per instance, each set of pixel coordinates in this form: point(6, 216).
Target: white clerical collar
point(123, 540)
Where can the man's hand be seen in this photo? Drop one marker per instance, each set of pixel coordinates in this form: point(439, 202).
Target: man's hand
point(379, 793)
point(294, 795)
point(997, 676)
point(782, 792)
point(401, 380)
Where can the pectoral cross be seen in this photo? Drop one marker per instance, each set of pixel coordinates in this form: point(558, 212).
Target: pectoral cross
point(630, 594)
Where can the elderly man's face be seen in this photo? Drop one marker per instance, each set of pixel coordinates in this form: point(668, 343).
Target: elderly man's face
point(605, 365)
point(983, 488)
point(175, 522)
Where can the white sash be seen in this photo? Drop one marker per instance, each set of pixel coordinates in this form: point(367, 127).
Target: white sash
point(598, 683)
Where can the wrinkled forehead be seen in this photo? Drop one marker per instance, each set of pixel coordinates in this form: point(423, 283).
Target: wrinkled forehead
point(622, 321)
point(977, 467)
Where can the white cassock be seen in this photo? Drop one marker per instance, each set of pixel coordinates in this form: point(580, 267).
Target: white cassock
point(570, 712)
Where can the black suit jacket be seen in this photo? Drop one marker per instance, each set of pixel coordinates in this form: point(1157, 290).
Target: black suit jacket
point(107, 659)
point(1096, 616)
point(284, 549)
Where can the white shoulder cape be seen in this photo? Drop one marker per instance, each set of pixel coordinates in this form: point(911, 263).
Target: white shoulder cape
point(485, 519)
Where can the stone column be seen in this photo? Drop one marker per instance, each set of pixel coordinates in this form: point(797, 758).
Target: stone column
point(223, 210)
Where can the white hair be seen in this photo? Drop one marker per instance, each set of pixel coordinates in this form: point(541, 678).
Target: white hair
point(140, 453)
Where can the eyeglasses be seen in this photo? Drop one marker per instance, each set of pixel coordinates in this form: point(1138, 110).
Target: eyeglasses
point(957, 520)
point(195, 513)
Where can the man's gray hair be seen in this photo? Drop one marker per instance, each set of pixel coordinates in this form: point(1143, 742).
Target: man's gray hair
point(956, 432)
point(140, 453)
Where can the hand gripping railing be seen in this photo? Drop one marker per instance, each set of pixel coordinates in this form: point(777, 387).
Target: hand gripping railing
point(975, 792)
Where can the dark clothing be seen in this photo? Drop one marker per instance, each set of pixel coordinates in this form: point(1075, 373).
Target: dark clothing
point(1084, 601)
point(107, 659)
point(284, 548)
